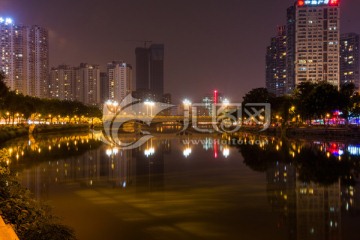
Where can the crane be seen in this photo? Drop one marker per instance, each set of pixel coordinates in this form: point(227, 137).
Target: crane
point(146, 42)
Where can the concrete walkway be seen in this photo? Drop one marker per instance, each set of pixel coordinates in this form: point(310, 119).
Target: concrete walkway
point(6, 231)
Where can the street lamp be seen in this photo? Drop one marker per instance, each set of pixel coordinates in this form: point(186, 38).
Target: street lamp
point(187, 103)
point(8, 117)
point(187, 152)
point(226, 102)
point(226, 152)
point(112, 106)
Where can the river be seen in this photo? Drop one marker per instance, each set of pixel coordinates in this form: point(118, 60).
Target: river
point(243, 187)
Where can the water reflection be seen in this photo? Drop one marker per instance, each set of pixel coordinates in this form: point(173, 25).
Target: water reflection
point(309, 184)
point(310, 188)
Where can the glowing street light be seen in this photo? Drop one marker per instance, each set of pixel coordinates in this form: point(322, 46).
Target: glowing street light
point(187, 152)
point(226, 102)
point(226, 152)
point(112, 106)
point(149, 152)
point(8, 21)
point(187, 102)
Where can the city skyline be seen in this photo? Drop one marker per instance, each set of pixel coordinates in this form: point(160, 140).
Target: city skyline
point(192, 60)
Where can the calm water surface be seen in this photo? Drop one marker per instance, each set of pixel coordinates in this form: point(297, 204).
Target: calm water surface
point(196, 188)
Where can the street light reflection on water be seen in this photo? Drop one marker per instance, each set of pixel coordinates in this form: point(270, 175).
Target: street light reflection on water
point(195, 188)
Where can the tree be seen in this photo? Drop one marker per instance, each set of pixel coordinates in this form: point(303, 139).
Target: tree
point(347, 92)
point(4, 90)
point(301, 95)
point(316, 100)
point(323, 100)
point(283, 106)
point(258, 95)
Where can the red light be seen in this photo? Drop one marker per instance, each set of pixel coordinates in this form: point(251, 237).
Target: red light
point(301, 3)
point(215, 96)
point(216, 151)
point(334, 2)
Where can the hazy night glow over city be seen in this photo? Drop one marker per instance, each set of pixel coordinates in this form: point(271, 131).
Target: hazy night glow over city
point(168, 119)
point(209, 45)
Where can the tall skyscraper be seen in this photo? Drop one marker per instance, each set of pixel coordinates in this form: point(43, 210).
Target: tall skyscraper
point(317, 46)
point(349, 59)
point(37, 47)
point(7, 51)
point(276, 77)
point(142, 69)
point(290, 50)
point(150, 71)
point(120, 80)
point(25, 58)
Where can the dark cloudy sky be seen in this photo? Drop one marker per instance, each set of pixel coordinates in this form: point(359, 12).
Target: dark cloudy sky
point(209, 44)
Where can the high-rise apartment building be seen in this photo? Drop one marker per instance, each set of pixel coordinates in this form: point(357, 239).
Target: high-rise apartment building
point(88, 84)
point(150, 71)
point(317, 41)
point(37, 54)
point(76, 83)
point(25, 58)
point(312, 43)
point(7, 51)
point(276, 75)
point(120, 80)
point(290, 50)
point(62, 81)
point(104, 87)
point(349, 59)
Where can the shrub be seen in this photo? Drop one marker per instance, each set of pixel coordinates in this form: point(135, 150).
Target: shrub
point(30, 219)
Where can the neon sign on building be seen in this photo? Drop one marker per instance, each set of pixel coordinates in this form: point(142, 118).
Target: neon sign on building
point(318, 2)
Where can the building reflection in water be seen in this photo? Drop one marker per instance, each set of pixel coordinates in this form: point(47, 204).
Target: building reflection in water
point(86, 161)
point(305, 208)
point(150, 165)
point(310, 184)
point(281, 189)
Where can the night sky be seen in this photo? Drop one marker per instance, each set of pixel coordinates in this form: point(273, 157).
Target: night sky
point(209, 44)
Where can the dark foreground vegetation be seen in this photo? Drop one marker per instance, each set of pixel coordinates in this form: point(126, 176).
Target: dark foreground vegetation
point(30, 219)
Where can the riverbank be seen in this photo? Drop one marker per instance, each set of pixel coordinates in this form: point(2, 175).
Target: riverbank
point(328, 132)
point(8, 132)
point(30, 219)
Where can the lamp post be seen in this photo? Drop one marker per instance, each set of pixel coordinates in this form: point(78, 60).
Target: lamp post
point(187, 103)
point(112, 106)
point(8, 117)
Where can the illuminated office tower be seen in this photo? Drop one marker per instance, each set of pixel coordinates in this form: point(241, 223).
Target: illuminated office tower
point(349, 59)
point(150, 72)
point(317, 46)
point(120, 80)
